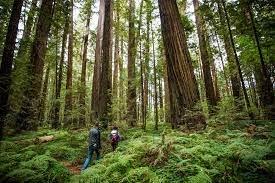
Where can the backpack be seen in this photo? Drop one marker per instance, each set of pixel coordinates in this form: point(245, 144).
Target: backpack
point(114, 137)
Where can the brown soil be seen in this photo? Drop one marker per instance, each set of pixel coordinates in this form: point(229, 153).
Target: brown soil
point(74, 169)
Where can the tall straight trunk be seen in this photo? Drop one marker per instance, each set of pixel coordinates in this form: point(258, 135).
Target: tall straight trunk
point(155, 82)
point(28, 29)
point(234, 78)
point(183, 88)
point(237, 59)
point(166, 90)
point(147, 60)
point(19, 71)
point(98, 63)
point(69, 81)
point(7, 60)
point(209, 88)
point(265, 88)
point(131, 92)
point(143, 117)
point(213, 68)
point(121, 79)
point(28, 115)
point(161, 105)
point(116, 57)
point(223, 68)
point(106, 83)
point(44, 96)
point(56, 122)
point(84, 67)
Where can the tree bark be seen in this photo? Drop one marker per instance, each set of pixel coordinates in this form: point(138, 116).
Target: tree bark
point(155, 82)
point(27, 119)
point(131, 92)
point(56, 122)
point(116, 57)
point(98, 63)
point(183, 88)
point(265, 89)
point(7, 60)
point(166, 90)
point(209, 88)
point(106, 83)
point(237, 60)
point(223, 67)
point(234, 78)
point(69, 81)
point(44, 96)
point(84, 67)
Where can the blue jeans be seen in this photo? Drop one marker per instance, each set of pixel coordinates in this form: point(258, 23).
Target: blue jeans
point(89, 158)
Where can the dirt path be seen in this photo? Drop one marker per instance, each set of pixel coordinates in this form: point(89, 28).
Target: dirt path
point(74, 169)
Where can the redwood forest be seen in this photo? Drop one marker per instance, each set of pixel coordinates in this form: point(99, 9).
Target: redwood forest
point(155, 91)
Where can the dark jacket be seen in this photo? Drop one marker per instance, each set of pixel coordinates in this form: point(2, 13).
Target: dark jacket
point(94, 138)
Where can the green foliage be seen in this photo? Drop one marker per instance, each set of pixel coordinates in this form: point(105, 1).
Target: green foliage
point(224, 154)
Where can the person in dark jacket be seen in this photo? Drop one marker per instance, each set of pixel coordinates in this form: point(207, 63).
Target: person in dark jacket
point(94, 145)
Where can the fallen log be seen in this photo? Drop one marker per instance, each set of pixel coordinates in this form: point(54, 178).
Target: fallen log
point(43, 139)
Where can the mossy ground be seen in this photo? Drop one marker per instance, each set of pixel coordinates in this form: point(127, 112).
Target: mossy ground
point(226, 153)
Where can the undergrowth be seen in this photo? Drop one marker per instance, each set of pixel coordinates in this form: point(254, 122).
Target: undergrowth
point(230, 153)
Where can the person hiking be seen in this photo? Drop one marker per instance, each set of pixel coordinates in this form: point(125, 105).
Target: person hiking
point(94, 145)
point(114, 137)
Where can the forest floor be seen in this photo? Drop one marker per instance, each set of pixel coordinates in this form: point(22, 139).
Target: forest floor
point(242, 151)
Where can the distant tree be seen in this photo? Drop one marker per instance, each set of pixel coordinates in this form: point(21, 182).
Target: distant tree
point(69, 92)
point(204, 54)
point(131, 92)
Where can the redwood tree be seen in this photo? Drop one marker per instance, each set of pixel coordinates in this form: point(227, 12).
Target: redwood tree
point(69, 95)
point(105, 89)
point(131, 92)
point(209, 88)
point(29, 111)
point(7, 60)
point(97, 65)
point(183, 89)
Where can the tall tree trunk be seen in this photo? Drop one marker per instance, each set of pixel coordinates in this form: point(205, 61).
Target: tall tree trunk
point(29, 112)
point(209, 88)
point(223, 68)
point(106, 83)
point(213, 68)
point(161, 99)
point(131, 92)
point(7, 59)
point(235, 80)
point(147, 59)
point(121, 79)
point(56, 122)
point(237, 59)
point(155, 82)
point(44, 96)
point(69, 81)
point(28, 29)
point(19, 71)
point(98, 63)
point(166, 89)
point(84, 67)
point(116, 57)
point(183, 88)
point(265, 88)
